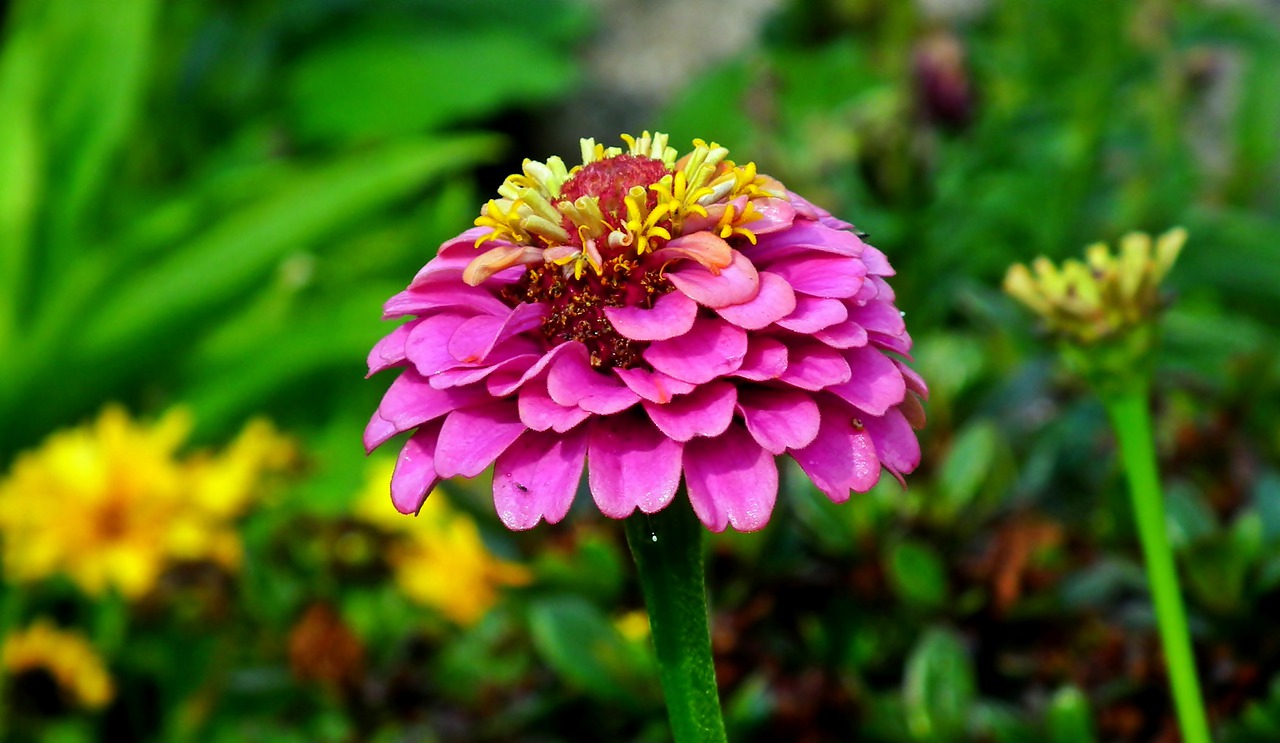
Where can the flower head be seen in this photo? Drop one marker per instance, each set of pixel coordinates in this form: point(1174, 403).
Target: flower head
point(111, 504)
point(655, 316)
point(1104, 310)
point(439, 560)
point(65, 657)
point(1104, 296)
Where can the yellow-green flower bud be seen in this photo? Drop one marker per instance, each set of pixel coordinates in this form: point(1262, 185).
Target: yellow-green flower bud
point(1105, 307)
point(1103, 297)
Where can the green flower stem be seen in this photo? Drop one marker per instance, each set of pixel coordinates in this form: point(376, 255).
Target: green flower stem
point(667, 548)
point(1128, 411)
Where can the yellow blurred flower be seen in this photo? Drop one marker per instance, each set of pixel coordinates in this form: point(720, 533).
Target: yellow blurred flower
point(634, 625)
point(66, 656)
point(438, 558)
point(111, 504)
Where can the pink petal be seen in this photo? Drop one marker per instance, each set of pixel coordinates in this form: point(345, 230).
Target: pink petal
point(805, 208)
point(913, 411)
point(378, 431)
point(428, 344)
point(737, 283)
point(712, 348)
point(672, 314)
point(443, 296)
point(869, 291)
point(504, 382)
point(573, 381)
point(701, 247)
point(631, 465)
point(537, 477)
point(498, 362)
point(389, 351)
point(779, 419)
point(774, 301)
point(814, 313)
point(475, 338)
point(895, 441)
point(473, 437)
point(731, 480)
point(841, 457)
point(411, 401)
point(884, 292)
point(837, 277)
point(876, 262)
point(847, 334)
point(653, 386)
point(540, 413)
point(879, 317)
point(707, 411)
point(875, 385)
point(807, 236)
point(775, 215)
point(813, 366)
point(766, 359)
point(914, 381)
point(899, 344)
point(415, 474)
point(837, 224)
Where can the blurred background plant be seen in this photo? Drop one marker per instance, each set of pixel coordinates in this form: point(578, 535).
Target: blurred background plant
point(204, 205)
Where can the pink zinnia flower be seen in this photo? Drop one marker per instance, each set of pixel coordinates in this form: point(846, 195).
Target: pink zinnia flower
point(651, 318)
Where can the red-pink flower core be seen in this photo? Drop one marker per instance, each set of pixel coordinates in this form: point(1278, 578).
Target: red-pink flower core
point(625, 279)
point(610, 180)
point(649, 319)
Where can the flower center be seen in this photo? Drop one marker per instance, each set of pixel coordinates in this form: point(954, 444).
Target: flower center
point(596, 236)
point(610, 179)
point(577, 305)
point(625, 277)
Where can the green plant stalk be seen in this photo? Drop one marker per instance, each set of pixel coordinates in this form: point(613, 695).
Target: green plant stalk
point(1128, 412)
point(667, 548)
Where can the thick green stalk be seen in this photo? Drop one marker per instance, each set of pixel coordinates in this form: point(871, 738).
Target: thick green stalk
point(667, 548)
point(1128, 411)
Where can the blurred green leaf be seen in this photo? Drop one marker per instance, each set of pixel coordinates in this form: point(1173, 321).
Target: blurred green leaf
point(1260, 721)
point(1266, 503)
point(102, 73)
point(750, 706)
point(1187, 517)
point(1258, 121)
point(594, 570)
point(404, 83)
point(1217, 569)
point(1003, 723)
point(951, 362)
point(938, 687)
point(68, 731)
point(834, 526)
point(21, 177)
point(244, 246)
point(917, 573)
point(575, 639)
point(968, 464)
point(714, 102)
point(334, 335)
point(482, 657)
point(1102, 582)
point(1069, 719)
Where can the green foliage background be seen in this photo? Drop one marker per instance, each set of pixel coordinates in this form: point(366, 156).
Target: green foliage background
point(207, 202)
